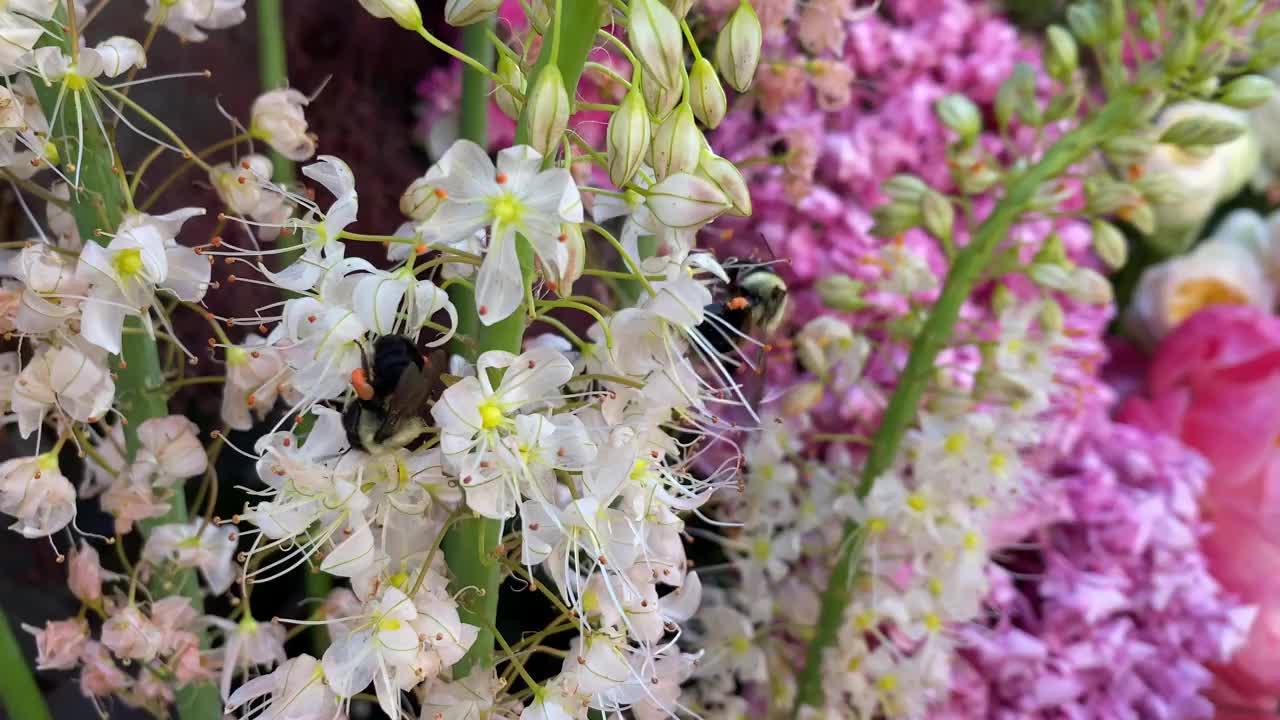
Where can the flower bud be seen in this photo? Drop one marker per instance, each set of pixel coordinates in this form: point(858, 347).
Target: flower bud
point(1181, 51)
point(1088, 286)
point(730, 181)
point(800, 399)
point(677, 144)
point(659, 100)
point(1002, 298)
point(1052, 252)
point(895, 218)
point(960, 115)
point(548, 110)
point(1061, 57)
point(937, 214)
point(840, 292)
point(826, 340)
point(509, 94)
point(1126, 150)
point(1248, 91)
point(657, 41)
point(1050, 275)
point(1051, 316)
point(679, 8)
point(904, 188)
point(1140, 215)
point(465, 12)
point(738, 47)
point(685, 201)
point(628, 138)
point(1086, 22)
point(420, 200)
point(1202, 131)
point(1109, 244)
point(705, 94)
point(404, 12)
point(561, 271)
point(276, 117)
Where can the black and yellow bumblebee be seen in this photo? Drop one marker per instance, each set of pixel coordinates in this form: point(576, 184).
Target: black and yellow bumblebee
point(752, 302)
point(393, 392)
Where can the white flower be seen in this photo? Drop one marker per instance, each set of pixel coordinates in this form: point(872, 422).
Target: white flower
point(321, 245)
point(19, 30)
point(277, 118)
point(524, 463)
point(467, 699)
point(244, 189)
point(172, 443)
point(248, 644)
point(516, 196)
point(382, 652)
point(473, 415)
point(118, 55)
point(321, 345)
point(297, 690)
point(197, 544)
point(34, 491)
point(189, 18)
point(51, 289)
point(73, 379)
point(1218, 272)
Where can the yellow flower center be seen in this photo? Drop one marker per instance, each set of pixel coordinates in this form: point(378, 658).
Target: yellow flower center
point(876, 525)
point(490, 415)
point(955, 443)
point(1196, 294)
point(971, 540)
point(75, 81)
point(506, 209)
point(761, 547)
point(888, 683)
point(399, 580)
point(127, 263)
point(639, 470)
point(740, 645)
point(932, 622)
point(236, 357)
point(916, 502)
point(47, 462)
point(388, 624)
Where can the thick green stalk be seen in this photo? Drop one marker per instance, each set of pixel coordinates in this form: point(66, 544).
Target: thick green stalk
point(19, 694)
point(99, 207)
point(469, 545)
point(273, 70)
point(932, 338)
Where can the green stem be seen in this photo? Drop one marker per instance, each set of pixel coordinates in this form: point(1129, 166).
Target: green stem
point(1117, 114)
point(469, 545)
point(19, 693)
point(273, 70)
point(138, 384)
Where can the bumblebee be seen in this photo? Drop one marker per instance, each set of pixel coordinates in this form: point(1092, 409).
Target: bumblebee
point(393, 390)
point(754, 302)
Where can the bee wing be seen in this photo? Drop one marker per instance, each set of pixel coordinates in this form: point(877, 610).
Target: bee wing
point(414, 388)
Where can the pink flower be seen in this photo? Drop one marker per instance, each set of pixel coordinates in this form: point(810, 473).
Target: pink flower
point(100, 677)
point(60, 643)
point(1213, 384)
point(130, 635)
point(85, 574)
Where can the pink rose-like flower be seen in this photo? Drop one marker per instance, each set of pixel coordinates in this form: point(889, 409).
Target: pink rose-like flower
point(1213, 384)
point(59, 643)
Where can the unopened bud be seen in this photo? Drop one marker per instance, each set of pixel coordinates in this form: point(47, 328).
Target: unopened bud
point(565, 266)
point(1051, 316)
point(1126, 150)
point(1052, 252)
point(840, 292)
point(679, 8)
point(706, 96)
point(738, 47)
point(1085, 21)
point(1181, 51)
point(404, 12)
point(1061, 57)
point(548, 110)
point(1088, 286)
point(1104, 195)
point(1051, 276)
point(904, 188)
point(677, 144)
point(937, 214)
point(895, 218)
point(800, 399)
point(730, 181)
point(420, 200)
point(628, 138)
point(659, 100)
point(509, 94)
point(826, 340)
point(466, 12)
point(1109, 244)
point(960, 115)
point(1248, 91)
point(1002, 298)
point(656, 41)
point(1140, 215)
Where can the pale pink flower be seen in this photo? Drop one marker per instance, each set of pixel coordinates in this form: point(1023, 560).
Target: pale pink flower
point(130, 635)
point(59, 643)
point(190, 665)
point(34, 491)
point(150, 692)
point(779, 85)
point(255, 371)
point(85, 574)
point(100, 677)
point(821, 25)
point(172, 443)
point(833, 82)
point(802, 161)
point(131, 498)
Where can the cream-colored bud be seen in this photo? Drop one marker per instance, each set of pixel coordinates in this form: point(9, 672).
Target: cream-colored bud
point(659, 100)
point(509, 94)
point(1088, 286)
point(959, 114)
point(737, 51)
point(1109, 244)
point(840, 292)
point(1248, 91)
point(548, 110)
point(727, 177)
point(677, 143)
point(800, 399)
point(706, 96)
point(1051, 317)
point(657, 41)
point(466, 12)
point(628, 138)
point(404, 12)
point(937, 214)
point(679, 8)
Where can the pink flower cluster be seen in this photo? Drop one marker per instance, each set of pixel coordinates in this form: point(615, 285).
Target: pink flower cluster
point(1108, 610)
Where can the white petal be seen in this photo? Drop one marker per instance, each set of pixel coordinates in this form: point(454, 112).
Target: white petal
point(188, 275)
point(376, 300)
point(521, 164)
point(500, 284)
point(350, 664)
point(354, 554)
point(686, 201)
point(334, 174)
point(534, 376)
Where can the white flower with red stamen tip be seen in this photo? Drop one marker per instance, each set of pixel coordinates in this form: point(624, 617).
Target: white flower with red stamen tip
point(59, 643)
point(597, 664)
point(188, 19)
point(244, 190)
point(322, 246)
point(297, 690)
point(523, 464)
point(320, 343)
point(72, 378)
point(255, 371)
point(172, 442)
point(473, 415)
point(131, 635)
point(248, 644)
point(515, 196)
point(35, 493)
point(382, 651)
point(197, 544)
point(51, 289)
point(276, 117)
point(466, 699)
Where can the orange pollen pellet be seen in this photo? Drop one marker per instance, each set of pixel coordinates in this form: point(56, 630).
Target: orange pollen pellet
point(738, 303)
point(251, 400)
point(311, 318)
point(255, 354)
point(562, 452)
point(563, 237)
point(242, 179)
point(216, 240)
point(501, 178)
point(420, 249)
point(244, 164)
point(440, 193)
point(232, 278)
point(360, 382)
point(262, 328)
point(297, 420)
